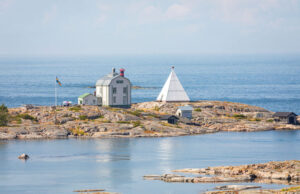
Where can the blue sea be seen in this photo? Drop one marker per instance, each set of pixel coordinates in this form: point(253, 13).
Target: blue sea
point(118, 165)
point(269, 81)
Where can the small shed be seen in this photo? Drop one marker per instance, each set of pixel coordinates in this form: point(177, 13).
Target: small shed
point(185, 111)
point(87, 99)
point(285, 117)
point(170, 119)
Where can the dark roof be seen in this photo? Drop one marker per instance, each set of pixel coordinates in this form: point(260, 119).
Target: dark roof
point(166, 117)
point(283, 114)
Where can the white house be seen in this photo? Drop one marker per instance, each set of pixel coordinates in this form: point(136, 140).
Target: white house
point(172, 90)
point(185, 111)
point(87, 99)
point(114, 89)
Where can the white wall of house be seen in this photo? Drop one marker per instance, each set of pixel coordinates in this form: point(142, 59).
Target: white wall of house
point(117, 93)
point(184, 113)
point(88, 100)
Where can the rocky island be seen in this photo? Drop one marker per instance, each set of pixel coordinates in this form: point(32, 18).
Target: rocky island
point(281, 172)
point(141, 120)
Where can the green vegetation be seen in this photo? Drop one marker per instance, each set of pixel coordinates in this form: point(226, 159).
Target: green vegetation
point(297, 188)
point(197, 109)
point(156, 108)
point(82, 117)
point(254, 119)
point(239, 116)
point(123, 122)
point(3, 115)
point(137, 113)
point(75, 108)
point(77, 132)
point(270, 120)
point(27, 117)
point(136, 123)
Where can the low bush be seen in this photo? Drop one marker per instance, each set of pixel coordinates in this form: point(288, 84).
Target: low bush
point(83, 117)
point(123, 122)
point(75, 108)
point(239, 116)
point(136, 123)
point(156, 108)
point(197, 109)
point(270, 120)
point(3, 115)
point(26, 117)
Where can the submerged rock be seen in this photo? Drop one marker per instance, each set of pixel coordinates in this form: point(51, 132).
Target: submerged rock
point(23, 157)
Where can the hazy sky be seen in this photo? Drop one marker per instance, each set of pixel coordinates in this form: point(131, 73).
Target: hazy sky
point(99, 27)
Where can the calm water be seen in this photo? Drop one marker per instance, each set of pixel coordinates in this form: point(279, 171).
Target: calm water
point(272, 82)
point(61, 166)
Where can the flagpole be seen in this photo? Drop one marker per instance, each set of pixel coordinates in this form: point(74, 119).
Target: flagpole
point(55, 94)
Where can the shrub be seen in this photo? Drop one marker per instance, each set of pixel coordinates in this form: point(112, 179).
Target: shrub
point(82, 117)
point(77, 132)
point(239, 116)
point(3, 109)
point(3, 115)
point(197, 109)
point(136, 123)
point(75, 108)
point(3, 119)
point(26, 117)
point(270, 120)
point(156, 108)
point(123, 122)
point(136, 113)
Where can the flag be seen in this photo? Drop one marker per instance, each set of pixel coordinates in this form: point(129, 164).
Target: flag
point(57, 81)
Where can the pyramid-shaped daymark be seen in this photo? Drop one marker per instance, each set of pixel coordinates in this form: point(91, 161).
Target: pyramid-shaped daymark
point(173, 90)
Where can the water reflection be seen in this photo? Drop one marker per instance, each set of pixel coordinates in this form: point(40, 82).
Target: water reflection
point(116, 156)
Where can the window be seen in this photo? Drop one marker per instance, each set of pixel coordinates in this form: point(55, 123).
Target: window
point(125, 99)
point(114, 90)
point(119, 81)
point(125, 90)
point(114, 99)
point(94, 101)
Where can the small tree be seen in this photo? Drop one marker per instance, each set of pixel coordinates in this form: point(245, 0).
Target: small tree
point(3, 115)
point(3, 108)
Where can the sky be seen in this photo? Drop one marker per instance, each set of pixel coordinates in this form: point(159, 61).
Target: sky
point(111, 27)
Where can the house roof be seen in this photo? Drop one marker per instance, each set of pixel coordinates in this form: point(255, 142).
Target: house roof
point(283, 114)
point(105, 81)
point(166, 117)
point(84, 95)
point(187, 107)
point(172, 90)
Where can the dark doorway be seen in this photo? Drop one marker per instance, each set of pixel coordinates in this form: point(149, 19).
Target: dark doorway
point(291, 120)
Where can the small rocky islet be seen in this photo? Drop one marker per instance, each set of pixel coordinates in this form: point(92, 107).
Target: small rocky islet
point(279, 172)
point(141, 120)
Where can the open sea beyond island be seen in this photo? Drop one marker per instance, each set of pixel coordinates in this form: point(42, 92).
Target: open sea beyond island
point(271, 82)
point(119, 164)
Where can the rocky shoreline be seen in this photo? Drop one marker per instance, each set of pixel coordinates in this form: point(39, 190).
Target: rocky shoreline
point(283, 172)
point(141, 120)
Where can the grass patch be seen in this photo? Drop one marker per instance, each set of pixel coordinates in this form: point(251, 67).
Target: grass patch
point(291, 189)
point(105, 121)
point(198, 109)
point(239, 116)
point(123, 122)
point(148, 132)
point(83, 117)
point(255, 119)
point(75, 108)
point(270, 120)
point(137, 113)
point(77, 132)
point(136, 123)
point(27, 117)
point(156, 108)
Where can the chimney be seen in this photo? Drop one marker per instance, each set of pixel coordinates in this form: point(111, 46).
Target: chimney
point(113, 70)
point(122, 72)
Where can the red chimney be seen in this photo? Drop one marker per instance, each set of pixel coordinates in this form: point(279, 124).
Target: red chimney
point(122, 72)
